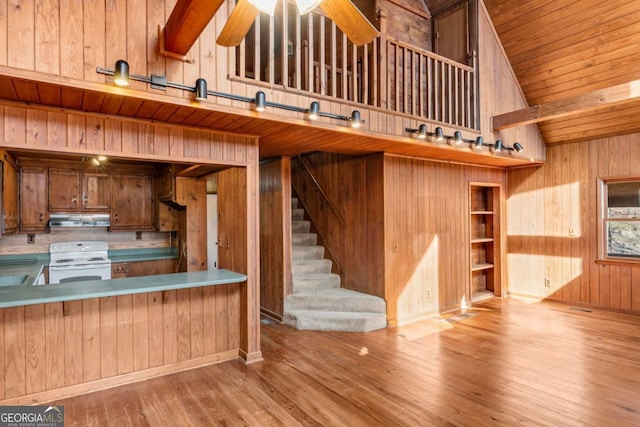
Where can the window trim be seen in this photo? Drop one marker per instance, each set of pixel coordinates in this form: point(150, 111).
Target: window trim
point(602, 196)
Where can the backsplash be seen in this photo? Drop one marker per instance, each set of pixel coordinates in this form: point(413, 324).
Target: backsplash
point(12, 244)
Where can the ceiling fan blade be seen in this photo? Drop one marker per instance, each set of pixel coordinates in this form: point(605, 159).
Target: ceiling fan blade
point(242, 17)
point(350, 20)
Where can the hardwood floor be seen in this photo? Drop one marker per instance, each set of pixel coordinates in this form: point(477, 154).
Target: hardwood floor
point(504, 362)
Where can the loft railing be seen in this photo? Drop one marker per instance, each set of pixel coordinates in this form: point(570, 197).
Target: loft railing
point(310, 54)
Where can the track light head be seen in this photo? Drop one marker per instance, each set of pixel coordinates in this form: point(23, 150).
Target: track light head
point(497, 147)
point(356, 122)
point(314, 110)
point(518, 147)
point(439, 134)
point(479, 143)
point(201, 90)
point(422, 131)
point(260, 101)
point(457, 138)
point(121, 73)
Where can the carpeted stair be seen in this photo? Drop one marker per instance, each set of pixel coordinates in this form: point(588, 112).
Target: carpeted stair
point(318, 302)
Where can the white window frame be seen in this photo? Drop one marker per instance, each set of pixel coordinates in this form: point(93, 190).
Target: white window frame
point(603, 205)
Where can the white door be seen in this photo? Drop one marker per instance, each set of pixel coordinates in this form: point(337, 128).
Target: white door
point(212, 231)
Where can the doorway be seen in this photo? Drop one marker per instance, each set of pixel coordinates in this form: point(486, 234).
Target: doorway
point(451, 34)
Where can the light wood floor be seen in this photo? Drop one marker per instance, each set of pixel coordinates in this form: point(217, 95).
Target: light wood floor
point(505, 362)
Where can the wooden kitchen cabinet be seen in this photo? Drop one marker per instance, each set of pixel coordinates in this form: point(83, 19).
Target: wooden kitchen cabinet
point(34, 215)
point(64, 190)
point(132, 202)
point(74, 190)
point(9, 197)
point(165, 183)
point(119, 270)
point(96, 191)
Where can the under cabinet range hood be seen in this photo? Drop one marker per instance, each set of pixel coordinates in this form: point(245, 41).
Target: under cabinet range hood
point(79, 220)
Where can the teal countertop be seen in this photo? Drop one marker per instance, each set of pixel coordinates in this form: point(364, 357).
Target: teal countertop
point(26, 294)
point(146, 254)
point(19, 272)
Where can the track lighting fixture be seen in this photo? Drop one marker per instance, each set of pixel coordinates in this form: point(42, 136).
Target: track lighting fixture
point(260, 101)
point(201, 90)
point(314, 110)
point(479, 142)
point(121, 73)
point(457, 139)
point(121, 77)
point(356, 122)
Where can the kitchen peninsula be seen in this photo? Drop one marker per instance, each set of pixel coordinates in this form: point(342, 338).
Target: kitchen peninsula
point(68, 339)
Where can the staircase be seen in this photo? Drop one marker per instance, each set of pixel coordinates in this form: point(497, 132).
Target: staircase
point(317, 301)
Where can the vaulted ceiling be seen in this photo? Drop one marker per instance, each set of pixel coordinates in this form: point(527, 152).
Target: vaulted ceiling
point(578, 63)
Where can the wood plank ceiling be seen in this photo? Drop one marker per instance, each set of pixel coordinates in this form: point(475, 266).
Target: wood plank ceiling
point(565, 49)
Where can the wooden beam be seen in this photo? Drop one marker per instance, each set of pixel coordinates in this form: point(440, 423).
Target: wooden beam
point(187, 21)
point(622, 93)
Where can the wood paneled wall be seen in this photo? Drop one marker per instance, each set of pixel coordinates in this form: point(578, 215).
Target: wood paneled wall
point(51, 130)
point(500, 91)
point(354, 187)
point(238, 224)
point(426, 235)
point(46, 355)
point(548, 204)
point(275, 235)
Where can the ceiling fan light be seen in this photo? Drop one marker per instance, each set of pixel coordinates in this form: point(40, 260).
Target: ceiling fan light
point(266, 6)
point(306, 6)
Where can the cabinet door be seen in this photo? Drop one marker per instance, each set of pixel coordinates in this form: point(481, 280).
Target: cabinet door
point(132, 204)
point(165, 185)
point(33, 207)
point(64, 190)
point(96, 191)
point(10, 199)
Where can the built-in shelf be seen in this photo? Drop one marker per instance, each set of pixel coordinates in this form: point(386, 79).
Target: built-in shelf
point(482, 240)
point(484, 200)
point(483, 266)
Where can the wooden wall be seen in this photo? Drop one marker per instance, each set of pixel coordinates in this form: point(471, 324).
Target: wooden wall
point(500, 91)
point(426, 235)
point(354, 187)
point(47, 355)
point(275, 235)
point(407, 21)
point(546, 203)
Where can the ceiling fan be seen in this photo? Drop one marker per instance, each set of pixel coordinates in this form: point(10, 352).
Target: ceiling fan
point(190, 17)
point(343, 12)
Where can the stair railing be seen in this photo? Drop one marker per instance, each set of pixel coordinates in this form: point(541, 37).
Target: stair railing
point(323, 241)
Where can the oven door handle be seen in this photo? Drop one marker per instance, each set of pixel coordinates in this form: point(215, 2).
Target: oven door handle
point(78, 267)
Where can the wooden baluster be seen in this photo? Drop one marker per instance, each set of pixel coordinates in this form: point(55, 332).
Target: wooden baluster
point(356, 75)
point(297, 68)
point(310, 55)
point(334, 65)
point(382, 69)
point(364, 78)
point(476, 104)
point(272, 59)
point(256, 49)
point(345, 92)
point(284, 46)
point(321, 66)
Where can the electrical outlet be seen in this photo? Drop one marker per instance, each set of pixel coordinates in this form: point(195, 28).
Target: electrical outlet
point(31, 238)
point(572, 232)
point(547, 282)
point(138, 235)
point(428, 293)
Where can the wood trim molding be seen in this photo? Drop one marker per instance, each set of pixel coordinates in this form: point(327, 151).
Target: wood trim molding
point(77, 389)
point(250, 358)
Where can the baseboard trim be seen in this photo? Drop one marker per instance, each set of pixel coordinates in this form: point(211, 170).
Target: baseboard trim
point(250, 358)
point(271, 314)
point(128, 378)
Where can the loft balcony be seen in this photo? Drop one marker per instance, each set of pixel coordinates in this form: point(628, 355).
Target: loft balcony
point(295, 60)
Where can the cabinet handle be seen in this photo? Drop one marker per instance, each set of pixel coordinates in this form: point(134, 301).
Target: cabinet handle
point(86, 200)
point(116, 218)
point(74, 200)
point(41, 217)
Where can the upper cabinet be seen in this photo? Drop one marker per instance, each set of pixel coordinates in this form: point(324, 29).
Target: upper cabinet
point(34, 214)
point(73, 190)
point(96, 191)
point(132, 204)
point(9, 197)
point(64, 190)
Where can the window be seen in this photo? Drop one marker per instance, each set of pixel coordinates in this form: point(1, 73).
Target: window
point(620, 219)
